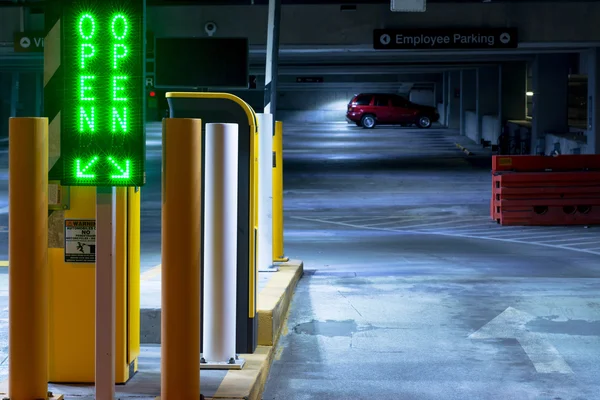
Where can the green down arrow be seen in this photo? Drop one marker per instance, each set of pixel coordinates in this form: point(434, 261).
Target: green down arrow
point(123, 169)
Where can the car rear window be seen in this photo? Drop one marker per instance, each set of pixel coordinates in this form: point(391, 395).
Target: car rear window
point(363, 100)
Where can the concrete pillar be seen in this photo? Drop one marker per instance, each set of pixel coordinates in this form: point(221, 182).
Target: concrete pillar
point(488, 97)
point(514, 90)
point(477, 109)
point(468, 98)
point(550, 98)
point(454, 100)
point(271, 72)
point(593, 117)
point(444, 120)
point(500, 97)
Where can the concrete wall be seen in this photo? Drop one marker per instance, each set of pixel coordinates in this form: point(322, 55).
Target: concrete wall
point(454, 101)
point(537, 22)
point(468, 98)
point(567, 144)
point(10, 22)
point(514, 90)
point(488, 90)
point(304, 106)
point(490, 128)
point(442, 111)
point(550, 100)
point(471, 122)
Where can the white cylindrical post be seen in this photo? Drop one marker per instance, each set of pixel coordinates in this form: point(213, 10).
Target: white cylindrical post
point(220, 242)
point(265, 193)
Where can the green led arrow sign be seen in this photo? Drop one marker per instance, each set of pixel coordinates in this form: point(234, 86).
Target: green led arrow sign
point(82, 172)
point(102, 123)
point(123, 169)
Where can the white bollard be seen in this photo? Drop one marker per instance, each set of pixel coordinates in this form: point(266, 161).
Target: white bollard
point(265, 193)
point(220, 244)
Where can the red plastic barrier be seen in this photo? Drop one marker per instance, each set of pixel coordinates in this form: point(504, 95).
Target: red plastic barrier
point(520, 198)
point(552, 216)
point(575, 162)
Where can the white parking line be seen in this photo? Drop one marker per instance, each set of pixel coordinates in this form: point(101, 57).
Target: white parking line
point(442, 233)
point(561, 240)
point(439, 223)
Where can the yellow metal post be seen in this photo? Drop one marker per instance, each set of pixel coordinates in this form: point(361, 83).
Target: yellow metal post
point(278, 254)
point(180, 319)
point(28, 259)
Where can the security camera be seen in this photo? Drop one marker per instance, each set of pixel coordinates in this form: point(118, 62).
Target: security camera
point(210, 28)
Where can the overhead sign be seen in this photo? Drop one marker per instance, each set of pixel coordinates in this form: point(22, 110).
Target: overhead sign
point(80, 241)
point(309, 79)
point(408, 5)
point(103, 129)
point(29, 42)
point(436, 39)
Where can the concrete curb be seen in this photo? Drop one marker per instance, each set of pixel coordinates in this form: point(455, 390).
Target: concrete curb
point(272, 307)
point(272, 304)
point(274, 301)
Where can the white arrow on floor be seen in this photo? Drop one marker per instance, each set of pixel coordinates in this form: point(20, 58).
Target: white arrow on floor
point(510, 324)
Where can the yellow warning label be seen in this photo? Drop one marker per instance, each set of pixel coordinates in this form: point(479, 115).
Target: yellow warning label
point(505, 161)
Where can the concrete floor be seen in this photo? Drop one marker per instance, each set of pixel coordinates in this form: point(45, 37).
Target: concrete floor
point(403, 270)
point(412, 293)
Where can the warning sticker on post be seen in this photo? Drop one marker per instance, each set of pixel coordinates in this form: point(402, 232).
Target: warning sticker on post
point(80, 241)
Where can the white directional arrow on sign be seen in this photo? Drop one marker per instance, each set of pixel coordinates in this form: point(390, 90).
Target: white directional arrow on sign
point(25, 42)
point(510, 324)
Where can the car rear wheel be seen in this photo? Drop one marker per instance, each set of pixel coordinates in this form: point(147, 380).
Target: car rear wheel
point(424, 122)
point(368, 122)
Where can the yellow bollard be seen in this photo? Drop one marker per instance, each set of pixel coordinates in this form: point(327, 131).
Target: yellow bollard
point(28, 259)
point(180, 320)
point(278, 254)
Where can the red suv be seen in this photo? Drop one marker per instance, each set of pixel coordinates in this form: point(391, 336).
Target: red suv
point(368, 110)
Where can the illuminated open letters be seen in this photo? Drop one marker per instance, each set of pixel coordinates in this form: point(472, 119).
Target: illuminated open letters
point(102, 132)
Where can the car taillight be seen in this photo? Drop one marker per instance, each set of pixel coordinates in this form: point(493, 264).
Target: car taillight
point(350, 108)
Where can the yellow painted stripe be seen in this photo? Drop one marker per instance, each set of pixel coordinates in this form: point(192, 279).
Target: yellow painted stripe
point(3, 264)
point(51, 52)
point(151, 273)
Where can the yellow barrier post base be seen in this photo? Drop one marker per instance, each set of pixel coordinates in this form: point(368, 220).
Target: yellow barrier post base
point(282, 259)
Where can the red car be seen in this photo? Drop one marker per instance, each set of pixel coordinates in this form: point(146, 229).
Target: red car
point(370, 109)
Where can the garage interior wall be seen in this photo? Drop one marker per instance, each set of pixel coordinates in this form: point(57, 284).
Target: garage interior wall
point(454, 100)
point(468, 95)
point(514, 91)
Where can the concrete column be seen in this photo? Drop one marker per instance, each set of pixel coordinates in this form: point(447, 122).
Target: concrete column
point(454, 100)
point(462, 103)
point(271, 72)
point(444, 120)
point(468, 101)
point(500, 98)
point(514, 90)
point(477, 108)
point(487, 99)
point(550, 98)
point(593, 117)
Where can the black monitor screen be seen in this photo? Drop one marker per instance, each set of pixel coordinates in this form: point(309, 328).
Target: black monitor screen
point(201, 62)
